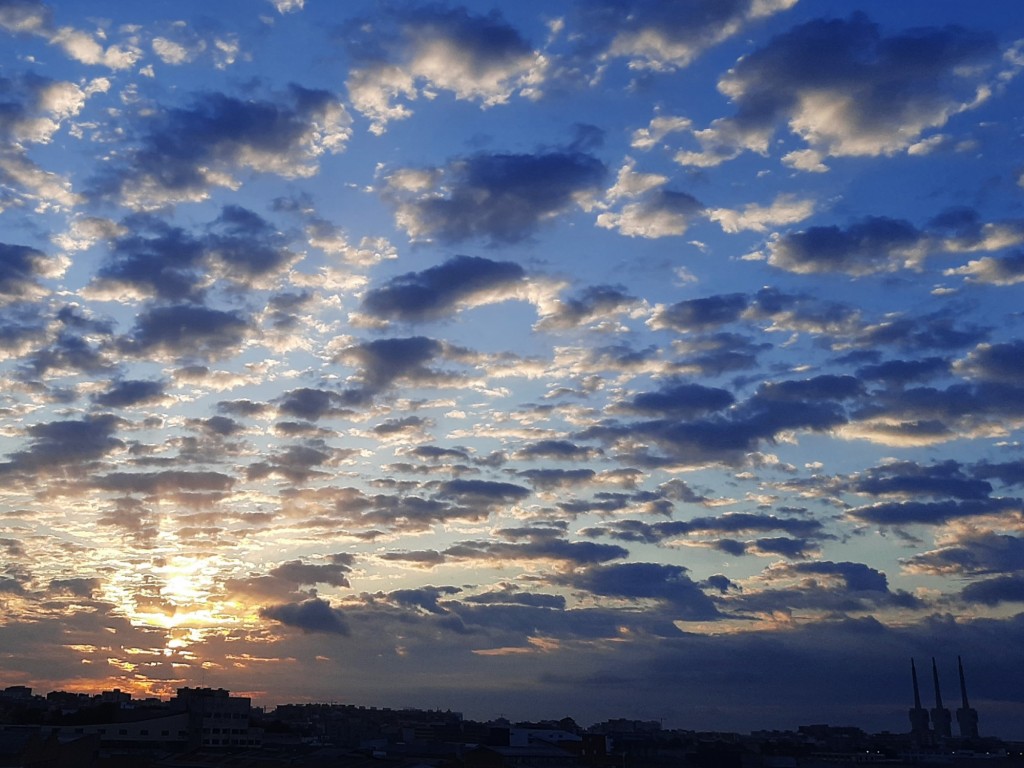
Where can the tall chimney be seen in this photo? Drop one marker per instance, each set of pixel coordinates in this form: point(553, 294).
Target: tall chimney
point(966, 718)
point(941, 719)
point(918, 715)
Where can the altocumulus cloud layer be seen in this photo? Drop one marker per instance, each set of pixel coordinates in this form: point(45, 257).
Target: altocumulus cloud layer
point(655, 359)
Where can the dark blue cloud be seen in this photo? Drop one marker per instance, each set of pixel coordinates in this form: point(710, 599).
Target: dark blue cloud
point(931, 513)
point(972, 553)
point(130, 392)
point(502, 198)
point(705, 313)
point(874, 244)
point(943, 480)
point(21, 268)
point(679, 399)
point(438, 291)
point(180, 146)
point(186, 330)
point(56, 445)
point(668, 583)
point(314, 615)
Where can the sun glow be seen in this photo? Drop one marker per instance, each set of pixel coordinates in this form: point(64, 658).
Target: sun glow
point(175, 593)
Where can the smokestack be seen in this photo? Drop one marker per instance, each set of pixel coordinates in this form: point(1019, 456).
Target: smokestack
point(918, 715)
point(963, 685)
point(966, 718)
point(941, 719)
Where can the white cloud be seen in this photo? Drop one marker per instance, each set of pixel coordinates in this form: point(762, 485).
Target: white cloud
point(860, 102)
point(992, 271)
point(785, 209)
point(81, 46)
point(670, 34)
point(478, 59)
point(288, 6)
point(929, 145)
point(171, 52)
point(809, 160)
point(647, 220)
point(659, 127)
point(630, 184)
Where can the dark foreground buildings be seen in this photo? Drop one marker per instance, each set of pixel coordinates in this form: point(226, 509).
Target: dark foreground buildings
point(203, 727)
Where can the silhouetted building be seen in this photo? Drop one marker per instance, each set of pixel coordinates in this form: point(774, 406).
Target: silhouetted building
point(941, 719)
point(966, 718)
point(918, 715)
point(216, 718)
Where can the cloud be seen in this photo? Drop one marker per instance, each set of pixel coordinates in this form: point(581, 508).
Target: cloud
point(924, 415)
point(785, 209)
point(21, 269)
point(730, 523)
point(185, 330)
point(1001, 589)
point(993, 270)
point(998, 363)
point(335, 574)
point(661, 213)
point(163, 483)
point(34, 17)
point(869, 246)
point(846, 89)
point(75, 587)
point(681, 399)
point(461, 282)
point(903, 372)
point(313, 615)
point(131, 392)
point(777, 407)
point(593, 305)
point(501, 198)
point(510, 595)
point(548, 548)
point(555, 479)
point(64, 444)
point(410, 52)
point(668, 35)
point(25, 16)
point(910, 480)
point(383, 363)
point(700, 314)
point(186, 151)
point(1010, 473)
point(931, 513)
point(660, 126)
point(296, 463)
point(425, 598)
point(972, 553)
point(856, 577)
point(827, 586)
point(32, 110)
point(287, 6)
point(563, 450)
point(437, 453)
point(485, 493)
point(670, 584)
point(314, 404)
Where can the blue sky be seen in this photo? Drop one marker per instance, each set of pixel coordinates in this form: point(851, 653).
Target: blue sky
point(647, 359)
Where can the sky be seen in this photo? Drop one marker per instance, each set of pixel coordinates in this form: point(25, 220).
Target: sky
point(600, 358)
